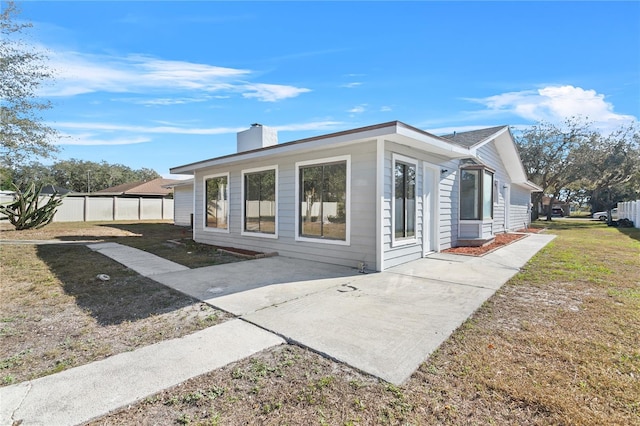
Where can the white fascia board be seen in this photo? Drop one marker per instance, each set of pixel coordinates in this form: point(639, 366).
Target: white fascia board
point(290, 147)
point(490, 138)
point(186, 182)
point(510, 156)
point(428, 143)
point(529, 185)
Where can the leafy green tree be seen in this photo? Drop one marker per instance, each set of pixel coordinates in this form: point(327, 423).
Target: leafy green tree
point(23, 70)
point(548, 153)
point(80, 175)
point(611, 166)
point(27, 210)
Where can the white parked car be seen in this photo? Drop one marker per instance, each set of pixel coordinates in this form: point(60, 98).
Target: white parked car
point(603, 216)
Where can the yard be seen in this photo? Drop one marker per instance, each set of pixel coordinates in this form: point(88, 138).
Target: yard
point(56, 314)
point(558, 344)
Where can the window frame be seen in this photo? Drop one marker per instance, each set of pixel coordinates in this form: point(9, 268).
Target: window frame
point(204, 205)
point(480, 189)
point(243, 230)
point(298, 214)
point(395, 241)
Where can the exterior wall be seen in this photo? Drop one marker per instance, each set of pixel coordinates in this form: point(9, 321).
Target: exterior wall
point(182, 205)
point(449, 196)
point(361, 211)
point(511, 204)
point(395, 254)
point(489, 155)
point(520, 208)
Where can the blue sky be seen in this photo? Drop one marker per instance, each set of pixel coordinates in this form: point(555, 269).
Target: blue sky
point(159, 84)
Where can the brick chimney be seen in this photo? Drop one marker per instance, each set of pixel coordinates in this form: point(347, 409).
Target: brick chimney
point(256, 137)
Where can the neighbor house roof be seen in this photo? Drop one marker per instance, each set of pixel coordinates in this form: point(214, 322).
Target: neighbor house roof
point(51, 189)
point(153, 187)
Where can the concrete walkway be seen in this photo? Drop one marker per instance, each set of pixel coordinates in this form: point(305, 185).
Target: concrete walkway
point(146, 264)
point(83, 393)
point(385, 324)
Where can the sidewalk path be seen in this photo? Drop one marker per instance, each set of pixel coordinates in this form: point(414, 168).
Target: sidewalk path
point(146, 264)
point(83, 393)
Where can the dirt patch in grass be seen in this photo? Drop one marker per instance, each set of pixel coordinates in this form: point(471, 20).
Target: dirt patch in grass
point(558, 344)
point(56, 314)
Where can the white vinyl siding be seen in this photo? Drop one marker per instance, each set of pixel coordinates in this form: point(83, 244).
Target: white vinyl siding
point(519, 209)
point(361, 246)
point(394, 253)
point(182, 205)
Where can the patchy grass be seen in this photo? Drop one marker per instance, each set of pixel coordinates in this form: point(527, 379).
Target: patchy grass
point(55, 314)
point(153, 237)
point(556, 345)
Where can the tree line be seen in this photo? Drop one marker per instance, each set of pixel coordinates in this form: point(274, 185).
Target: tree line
point(76, 175)
point(574, 162)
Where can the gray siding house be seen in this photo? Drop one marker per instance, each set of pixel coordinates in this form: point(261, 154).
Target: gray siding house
point(371, 197)
point(182, 202)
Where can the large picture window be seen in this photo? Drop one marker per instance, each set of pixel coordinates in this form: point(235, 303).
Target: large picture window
point(216, 202)
point(404, 200)
point(260, 201)
point(476, 194)
point(323, 201)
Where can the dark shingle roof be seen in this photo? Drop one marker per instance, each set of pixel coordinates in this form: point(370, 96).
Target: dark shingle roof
point(469, 139)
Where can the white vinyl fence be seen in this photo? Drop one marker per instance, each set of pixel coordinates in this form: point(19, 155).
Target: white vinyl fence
point(89, 208)
point(630, 210)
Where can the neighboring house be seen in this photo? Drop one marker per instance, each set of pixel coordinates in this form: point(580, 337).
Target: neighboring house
point(52, 189)
point(156, 188)
point(558, 205)
point(377, 196)
point(182, 202)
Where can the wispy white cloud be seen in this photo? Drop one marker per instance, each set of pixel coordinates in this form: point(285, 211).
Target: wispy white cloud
point(556, 103)
point(161, 101)
point(110, 127)
point(359, 109)
point(314, 125)
point(352, 84)
point(80, 73)
point(90, 129)
point(272, 92)
point(385, 108)
point(89, 139)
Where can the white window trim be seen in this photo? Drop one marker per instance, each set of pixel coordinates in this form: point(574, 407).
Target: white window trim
point(243, 232)
point(397, 242)
point(204, 204)
point(299, 164)
point(482, 220)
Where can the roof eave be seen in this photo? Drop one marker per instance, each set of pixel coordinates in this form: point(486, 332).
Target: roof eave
point(395, 130)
